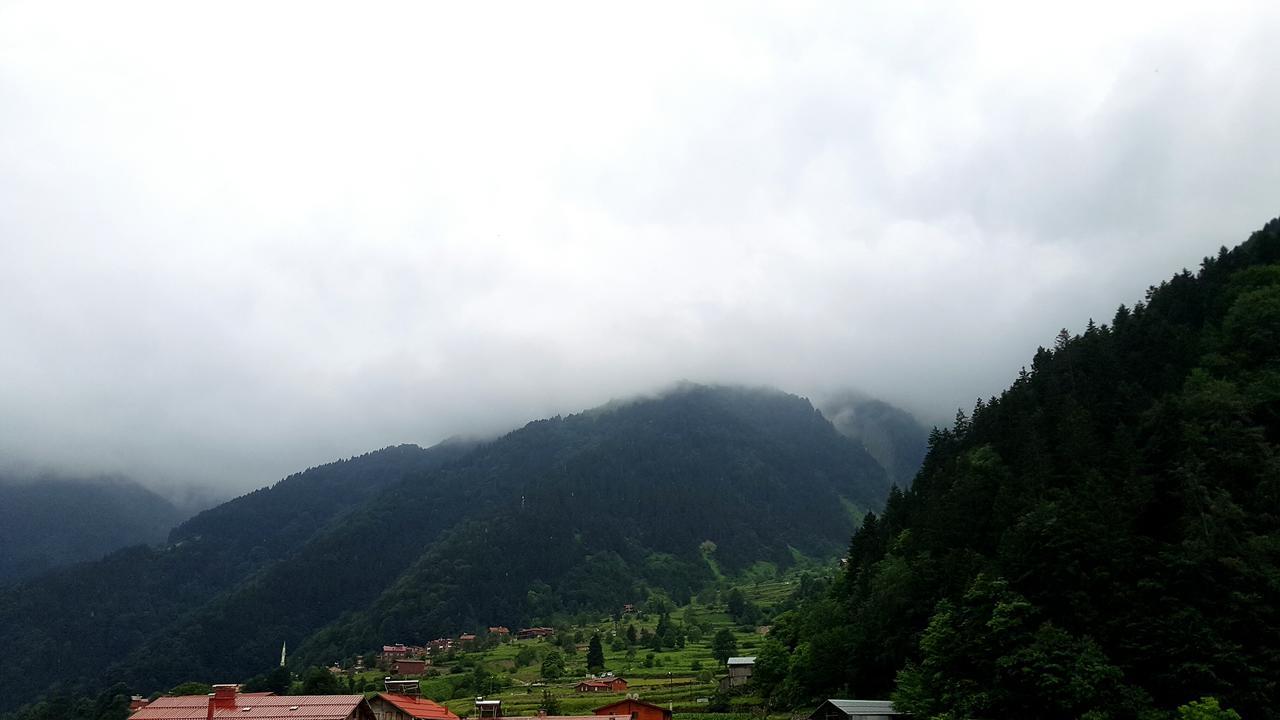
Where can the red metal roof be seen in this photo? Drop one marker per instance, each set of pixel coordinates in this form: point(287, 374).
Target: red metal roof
point(253, 706)
point(606, 683)
point(418, 708)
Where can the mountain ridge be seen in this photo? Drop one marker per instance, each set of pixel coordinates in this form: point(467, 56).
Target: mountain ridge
point(245, 580)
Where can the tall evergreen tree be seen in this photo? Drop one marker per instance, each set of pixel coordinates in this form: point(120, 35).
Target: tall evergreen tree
point(595, 654)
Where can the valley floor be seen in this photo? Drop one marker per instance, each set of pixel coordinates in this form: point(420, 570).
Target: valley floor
point(684, 680)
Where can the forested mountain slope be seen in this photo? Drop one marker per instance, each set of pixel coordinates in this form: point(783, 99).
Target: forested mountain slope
point(628, 492)
point(65, 627)
point(50, 522)
point(1102, 540)
point(632, 501)
point(560, 515)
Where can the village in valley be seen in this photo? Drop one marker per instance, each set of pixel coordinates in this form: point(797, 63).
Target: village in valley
point(645, 661)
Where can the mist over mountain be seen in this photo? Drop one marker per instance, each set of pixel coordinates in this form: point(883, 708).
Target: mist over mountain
point(73, 622)
point(52, 521)
point(793, 196)
point(562, 515)
point(893, 436)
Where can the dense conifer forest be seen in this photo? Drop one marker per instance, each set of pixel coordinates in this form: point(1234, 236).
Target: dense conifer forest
point(1102, 540)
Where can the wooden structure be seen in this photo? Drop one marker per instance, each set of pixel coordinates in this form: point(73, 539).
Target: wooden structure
point(408, 667)
point(740, 669)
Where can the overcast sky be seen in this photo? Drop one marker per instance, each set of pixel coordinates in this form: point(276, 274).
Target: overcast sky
point(237, 240)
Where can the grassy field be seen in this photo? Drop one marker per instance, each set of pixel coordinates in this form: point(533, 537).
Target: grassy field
point(683, 679)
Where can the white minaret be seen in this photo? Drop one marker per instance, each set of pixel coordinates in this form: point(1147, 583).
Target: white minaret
point(282, 647)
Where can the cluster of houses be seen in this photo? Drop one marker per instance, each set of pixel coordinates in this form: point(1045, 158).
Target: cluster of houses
point(400, 652)
point(402, 659)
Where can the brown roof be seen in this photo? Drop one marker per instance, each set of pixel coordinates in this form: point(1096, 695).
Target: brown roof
point(253, 706)
point(602, 682)
point(419, 708)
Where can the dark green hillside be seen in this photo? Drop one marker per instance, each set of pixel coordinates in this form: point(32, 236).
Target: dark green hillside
point(51, 522)
point(1100, 540)
point(640, 488)
point(69, 625)
point(271, 521)
point(628, 492)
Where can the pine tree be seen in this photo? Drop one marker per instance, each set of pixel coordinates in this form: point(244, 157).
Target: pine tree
point(595, 655)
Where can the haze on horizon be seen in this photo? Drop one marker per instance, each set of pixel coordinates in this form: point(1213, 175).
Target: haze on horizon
point(240, 239)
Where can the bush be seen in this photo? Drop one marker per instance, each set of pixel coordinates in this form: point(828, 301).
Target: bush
point(1206, 708)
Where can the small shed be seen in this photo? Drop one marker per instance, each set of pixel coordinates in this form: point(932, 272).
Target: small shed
point(856, 710)
point(740, 669)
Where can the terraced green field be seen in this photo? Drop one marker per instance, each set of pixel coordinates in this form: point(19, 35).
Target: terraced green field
point(683, 679)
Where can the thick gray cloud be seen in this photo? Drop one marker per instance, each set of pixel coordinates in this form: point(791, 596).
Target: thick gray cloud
point(240, 239)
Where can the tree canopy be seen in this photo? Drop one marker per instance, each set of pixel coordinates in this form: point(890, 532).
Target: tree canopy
point(1100, 540)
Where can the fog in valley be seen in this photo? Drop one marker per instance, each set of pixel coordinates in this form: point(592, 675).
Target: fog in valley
point(240, 240)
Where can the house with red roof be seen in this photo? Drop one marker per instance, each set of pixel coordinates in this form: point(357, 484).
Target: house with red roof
point(440, 644)
point(390, 706)
point(613, 684)
point(633, 709)
point(224, 703)
point(534, 632)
